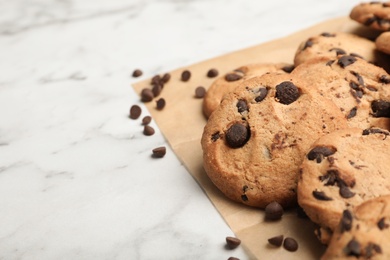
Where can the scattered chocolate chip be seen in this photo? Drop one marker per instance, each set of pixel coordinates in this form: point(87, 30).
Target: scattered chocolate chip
point(287, 92)
point(232, 242)
point(273, 211)
point(185, 75)
point(244, 197)
point(146, 95)
point(156, 90)
point(159, 152)
point(200, 92)
point(146, 120)
point(276, 241)
point(346, 60)
point(320, 195)
point(346, 221)
point(212, 73)
point(353, 248)
point(263, 93)
point(237, 135)
point(380, 108)
point(288, 68)
point(160, 103)
point(381, 224)
point(156, 80)
point(232, 77)
point(345, 192)
point(384, 79)
point(135, 111)
point(326, 34)
point(166, 77)
point(148, 130)
point(137, 73)
point(233, 258)
point(308, 44)
point(215, 136)
point(338, 51)
point(318, 152)
point(352, 113)
point(241, 106)
point(290, 244)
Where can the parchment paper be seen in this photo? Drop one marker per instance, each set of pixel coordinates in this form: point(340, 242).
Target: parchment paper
point(182, 122)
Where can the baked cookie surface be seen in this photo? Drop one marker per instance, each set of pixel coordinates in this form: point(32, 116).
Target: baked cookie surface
point(228, 82)
point(363, 233)
point(342, 170)
point(254, 142)
point(374, 14)
point(383, 42)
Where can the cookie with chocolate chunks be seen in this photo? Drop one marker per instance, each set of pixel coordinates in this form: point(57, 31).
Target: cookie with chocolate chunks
point(382, 42)
point(254, 142)
point(360, 89)
point(229, 81)
point(362, 233)
point(340, 171)
point(373, 14)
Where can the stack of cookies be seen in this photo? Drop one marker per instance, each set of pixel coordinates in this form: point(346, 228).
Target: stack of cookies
point(313, 133)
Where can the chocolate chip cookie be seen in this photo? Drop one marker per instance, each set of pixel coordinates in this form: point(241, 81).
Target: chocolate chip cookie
point(254, 142)
point(331, 45)
point(383, 42)
point(342, 170)
point(374, 14)
point(231, 80)
point(362, 233)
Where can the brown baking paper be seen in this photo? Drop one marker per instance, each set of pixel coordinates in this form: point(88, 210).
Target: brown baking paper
point(182, 123)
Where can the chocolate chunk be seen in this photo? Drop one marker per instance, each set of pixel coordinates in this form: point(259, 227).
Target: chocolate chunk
point(380, 108)
point(326, 34)
point(290, 244)
point(166, 78)
point(148, 130)
point(159, 152)
point(352, 113)
point(156, 90)
point(160, 103)
point(273, 211)
point(244, 197)
point(375, 131)
point(381, 224)
point(215, 136)
point(320, 195)
point(331, 177)
point(338, 51)
point(308, 44)
point(371, 249)
point(358, 77)
point(345, 192)
point(137, 73)
point(263, 93)
point(146, 120)
point(200, 92)
point(185, 75)
point(346, 221)
point(212, 73)
point(353, 248)
point(146, 95)
point(135, 111)
point(384, 79)
point(232, 242)
point(346, 60)
point(237, 135)
point(276, 241)
point(288, 68)
point(287, 92)
point(232, 77)
point(318, 152)
point(242, 106)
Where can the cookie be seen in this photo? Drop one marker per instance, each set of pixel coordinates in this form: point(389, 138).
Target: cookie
point(383, 42)
point(331, 45)
point(231, 80)
point(375, 15)
point(362, 233)
point(360, 89)
point(342, 170)
point(254, 142)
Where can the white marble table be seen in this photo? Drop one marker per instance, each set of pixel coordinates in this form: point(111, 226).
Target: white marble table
point(76, 177)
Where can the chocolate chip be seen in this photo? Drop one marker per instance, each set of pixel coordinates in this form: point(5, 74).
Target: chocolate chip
point(384, 79)
point(156, 80)
point(326, 34)
point(232, 242)
point(244, 197)
point(263, 93)
point(160, 103)
point(352, 113)
point(370, 21)
point(290, 244)
point(380, 108)
point(232, 77)
point(320, 195)
point(156, 90)
point(135, 111)
point(242, 106)
point(381, 224)
point(338, 51)
point(159, 152)
point(215, 136)
point(345, 192)
point(318, 152)
point(308, 44)
point(233, 258)
point(185, 75)
point(288, 68)
point(372, 249)
point(276, 241)
point(137, 73)
point(353, 248)
point(346, 221)
point(146, 120)
point(375, 131)
point(287, 92)
point(200, 92)
point(212, 73)
point(237, 135)
point(273, 211)
point(148, 130)
point(371, 88)
point(358, 77)
point(166, 78)
point(346, 60)
point(329, 63)
point(146, 95)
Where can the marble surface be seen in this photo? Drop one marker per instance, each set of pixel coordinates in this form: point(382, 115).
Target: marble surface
point(76, 177)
